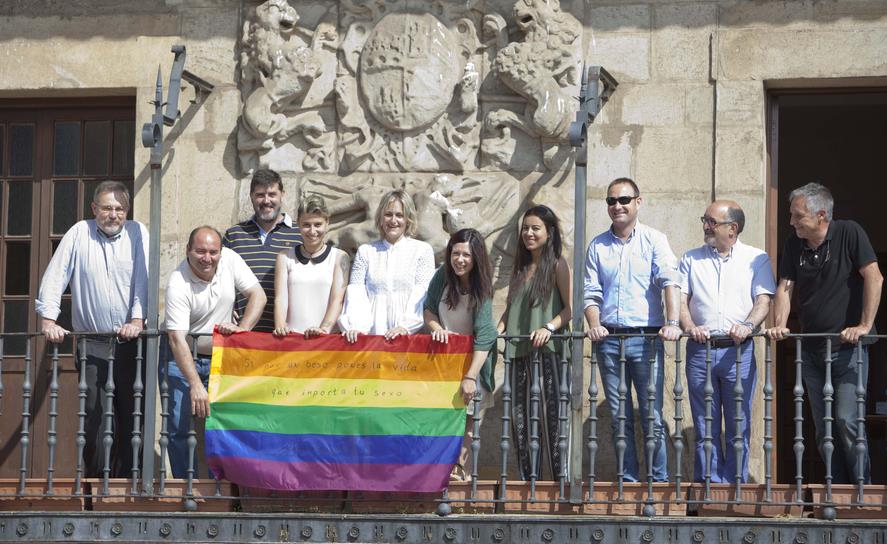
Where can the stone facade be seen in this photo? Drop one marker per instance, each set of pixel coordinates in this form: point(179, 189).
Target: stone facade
point(318, 90)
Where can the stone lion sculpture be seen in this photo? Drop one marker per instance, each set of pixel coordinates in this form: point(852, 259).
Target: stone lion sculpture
point(544, 69)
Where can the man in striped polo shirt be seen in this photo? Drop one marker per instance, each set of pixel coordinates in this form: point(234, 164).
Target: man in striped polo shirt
point(261, 237)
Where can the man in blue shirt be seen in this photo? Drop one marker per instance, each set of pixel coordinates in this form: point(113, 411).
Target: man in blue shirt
point(627, 268)
point(104, 260)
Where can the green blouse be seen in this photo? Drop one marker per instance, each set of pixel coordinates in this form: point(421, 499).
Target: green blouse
point(484, 330)
point(523, 319)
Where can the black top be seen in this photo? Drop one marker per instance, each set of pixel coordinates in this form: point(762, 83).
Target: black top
point(828, 285)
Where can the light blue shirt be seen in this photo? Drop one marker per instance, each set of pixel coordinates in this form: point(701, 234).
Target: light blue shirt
point(263, 235)
point(722, 290)
point(108, 277)
point(625, 279)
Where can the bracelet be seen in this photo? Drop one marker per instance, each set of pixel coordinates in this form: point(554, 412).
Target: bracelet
point(749, 324)
point(673, 323)
point(469, 378)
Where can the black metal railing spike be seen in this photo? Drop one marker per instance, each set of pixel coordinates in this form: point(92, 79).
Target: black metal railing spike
point(707, 446)
point(621, 417)
point(108, 430)
point(798, 446)
point(53, 416)
point(535, 413)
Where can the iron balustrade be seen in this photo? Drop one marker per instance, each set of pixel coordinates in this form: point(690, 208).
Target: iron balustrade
point(647, 498)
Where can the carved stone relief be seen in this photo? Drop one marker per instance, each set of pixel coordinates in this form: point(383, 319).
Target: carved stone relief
point(445, 203)
point(286, 74)
point(456, 100)
point(396, 86)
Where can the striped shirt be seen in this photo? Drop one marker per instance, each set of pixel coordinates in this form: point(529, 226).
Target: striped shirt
point(246, 239)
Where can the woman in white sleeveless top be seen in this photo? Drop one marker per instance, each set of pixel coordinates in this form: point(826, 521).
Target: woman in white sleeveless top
point(310, 278)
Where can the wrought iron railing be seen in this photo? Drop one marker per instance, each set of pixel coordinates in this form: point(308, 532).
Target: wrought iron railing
point(573, 486)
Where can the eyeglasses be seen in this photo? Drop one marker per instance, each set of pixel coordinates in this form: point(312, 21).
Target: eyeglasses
point(116, 210)
point(711, 222)
point(612, 200)
point(813, 258)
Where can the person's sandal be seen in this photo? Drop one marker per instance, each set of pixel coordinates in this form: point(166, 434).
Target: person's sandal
point(458, 473)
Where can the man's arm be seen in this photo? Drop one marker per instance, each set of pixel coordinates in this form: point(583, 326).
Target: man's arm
point(596, 331)
point(872, 281)
point(739, 332)
point(55, 280)
point(255, 303)
point(672, 313)
point(781, 307)
point(182, 353)
point(699, 333)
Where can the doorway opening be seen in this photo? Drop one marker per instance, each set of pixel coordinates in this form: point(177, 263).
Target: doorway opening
point(837, 138)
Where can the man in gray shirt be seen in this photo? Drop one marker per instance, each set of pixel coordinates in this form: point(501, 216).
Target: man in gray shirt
point(105, 262)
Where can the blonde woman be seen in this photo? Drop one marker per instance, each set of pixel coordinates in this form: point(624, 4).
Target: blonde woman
point(310, 278)
point(389, 278)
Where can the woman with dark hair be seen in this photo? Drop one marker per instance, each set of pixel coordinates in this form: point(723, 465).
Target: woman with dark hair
point(310, 278)
point(389, 277)
point(460, 301)
point(538, 305)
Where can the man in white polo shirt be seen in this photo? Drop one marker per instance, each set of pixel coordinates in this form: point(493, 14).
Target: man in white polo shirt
point(726, 287)
point(199, 296)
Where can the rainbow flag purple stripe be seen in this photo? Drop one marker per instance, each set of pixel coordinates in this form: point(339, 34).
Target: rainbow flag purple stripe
point(321, 414)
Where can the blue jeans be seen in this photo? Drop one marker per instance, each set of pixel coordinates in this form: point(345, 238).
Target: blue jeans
point(845, 462)
point(179, 407)
point(638, 351)
point(723, 405)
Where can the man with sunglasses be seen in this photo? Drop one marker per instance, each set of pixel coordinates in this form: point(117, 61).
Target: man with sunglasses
point(104, 260)
point(627, 269)
point(838, 291)
point(726, 287)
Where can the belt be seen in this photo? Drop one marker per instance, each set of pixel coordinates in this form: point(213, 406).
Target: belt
point(727, 342)
point(632, 330)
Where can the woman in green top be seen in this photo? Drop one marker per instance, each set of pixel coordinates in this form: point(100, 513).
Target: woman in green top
point(538, 305)
point(460, 300)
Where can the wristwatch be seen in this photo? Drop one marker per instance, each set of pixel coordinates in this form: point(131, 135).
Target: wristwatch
point(749, 324)
point(673, 323)
point(550, 328)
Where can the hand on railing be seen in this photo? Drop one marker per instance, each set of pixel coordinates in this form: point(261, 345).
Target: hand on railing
point(53, 332)
point(670, 332)
point(596, 334)
point(130, 331)
point(776, 333)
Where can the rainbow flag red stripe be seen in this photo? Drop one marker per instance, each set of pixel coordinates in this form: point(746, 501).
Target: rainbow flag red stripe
point(322, 414)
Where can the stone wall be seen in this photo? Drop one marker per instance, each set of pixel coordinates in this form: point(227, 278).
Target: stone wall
point(688, 121)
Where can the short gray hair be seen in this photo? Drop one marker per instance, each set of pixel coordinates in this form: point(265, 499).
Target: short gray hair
point(115, 187)
point(817, 196)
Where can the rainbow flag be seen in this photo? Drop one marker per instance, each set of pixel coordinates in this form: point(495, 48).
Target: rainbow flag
point(322, 414)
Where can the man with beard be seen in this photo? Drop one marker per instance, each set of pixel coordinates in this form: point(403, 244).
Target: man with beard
point(838, 291)
point(105, 262)
point(200, 296)
point(726, 287)
point(261, 237)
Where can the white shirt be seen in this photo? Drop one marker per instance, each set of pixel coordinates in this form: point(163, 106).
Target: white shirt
point(108, 277)
point(196, 306)
point(308, 286)
point(721, 290)
point(388, 286)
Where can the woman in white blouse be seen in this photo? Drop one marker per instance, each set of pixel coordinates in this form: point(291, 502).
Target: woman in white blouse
point(389, 277)
point(310, 278)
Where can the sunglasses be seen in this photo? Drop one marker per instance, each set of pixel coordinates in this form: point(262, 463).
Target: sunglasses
point(612, 200)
